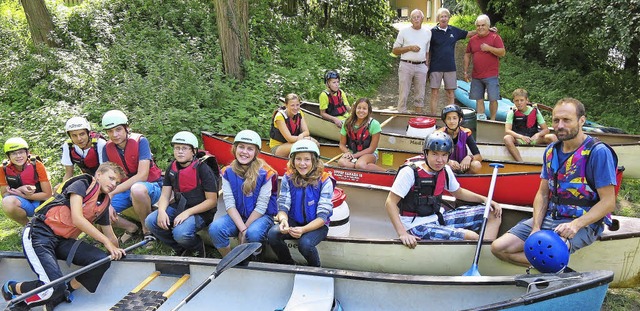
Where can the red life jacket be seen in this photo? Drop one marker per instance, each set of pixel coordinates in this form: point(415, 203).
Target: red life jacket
point(89, 164)
point(525, 125)
point(28, 175)
point(57, 215)
point(336, 104)
point(294, 124)
point(129, 161)
point(360, 139)
point(425, 196)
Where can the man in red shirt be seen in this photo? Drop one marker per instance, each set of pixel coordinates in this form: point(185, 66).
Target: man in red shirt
point(486, 47)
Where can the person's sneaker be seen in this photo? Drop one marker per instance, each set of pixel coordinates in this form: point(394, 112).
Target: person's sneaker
point(391, 171)
point(7, 293)
point(481, 116)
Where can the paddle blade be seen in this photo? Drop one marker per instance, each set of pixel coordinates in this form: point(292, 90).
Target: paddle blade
point(236, 256)
point(473, 271)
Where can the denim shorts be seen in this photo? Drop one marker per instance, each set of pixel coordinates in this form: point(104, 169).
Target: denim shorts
point(491, 85)
point(584, 237)
point(28, 205)
point(122, 200)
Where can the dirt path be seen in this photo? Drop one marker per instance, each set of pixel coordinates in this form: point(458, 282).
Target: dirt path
point(387, 97)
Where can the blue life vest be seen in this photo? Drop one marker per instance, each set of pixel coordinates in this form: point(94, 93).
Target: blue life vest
point(246, 204)
point(304, 201)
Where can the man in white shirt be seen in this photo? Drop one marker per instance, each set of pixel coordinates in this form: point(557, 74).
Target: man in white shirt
point(412, 45)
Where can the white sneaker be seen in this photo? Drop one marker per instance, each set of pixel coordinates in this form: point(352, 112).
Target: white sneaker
point(481, 117)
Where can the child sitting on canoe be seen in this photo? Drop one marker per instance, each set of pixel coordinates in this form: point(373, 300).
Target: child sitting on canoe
point(288, 126)
point(194, 189)
point(359, 138)
point(415, 204)
point(304, 205)
point(250, 190)
point(460, 160)
point(24, 181)
point(525, 125)
point(52, 235)
point(334, 105)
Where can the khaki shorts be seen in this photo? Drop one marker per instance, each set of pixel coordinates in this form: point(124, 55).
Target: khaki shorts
point(449, 77)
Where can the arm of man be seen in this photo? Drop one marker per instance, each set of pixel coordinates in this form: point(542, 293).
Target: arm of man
point(162, 204)
point(467, 62)
point(87, 227)
point(605, 206)
point(405, 178)
point(540, 205)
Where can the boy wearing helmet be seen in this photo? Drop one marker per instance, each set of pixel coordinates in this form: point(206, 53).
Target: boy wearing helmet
point(525, 125)
point(141, 186)
point(334, 105)
point(304, 205)
point(415, 205)
point(24, 181)
point(195, 190)
point(460, 160)
point(83, 148)
point(250, 190)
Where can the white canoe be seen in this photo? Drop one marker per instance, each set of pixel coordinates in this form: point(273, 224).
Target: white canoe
point(373, 245)
point(261, 286)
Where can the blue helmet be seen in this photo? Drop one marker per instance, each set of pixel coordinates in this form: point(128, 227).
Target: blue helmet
point(331, 74)
point(438, 141)
point(546, 251)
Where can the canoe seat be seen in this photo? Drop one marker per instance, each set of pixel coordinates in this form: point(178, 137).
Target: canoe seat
point(311, 293)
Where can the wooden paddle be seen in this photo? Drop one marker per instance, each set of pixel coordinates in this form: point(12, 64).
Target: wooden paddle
point(473, 271)
point(236, 256)
point(333, 159)
point(73, 274)
point(385, 122)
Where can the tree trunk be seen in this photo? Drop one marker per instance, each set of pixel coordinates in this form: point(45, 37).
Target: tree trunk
point(631, 62)
point(233, 28)
point(40, 22)
point(326, 9)
point(289, 7)
point(493, 16)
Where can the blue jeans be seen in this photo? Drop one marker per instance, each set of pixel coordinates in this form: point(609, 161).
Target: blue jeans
point(184, 236)
point(223, 228)
point(306, 244)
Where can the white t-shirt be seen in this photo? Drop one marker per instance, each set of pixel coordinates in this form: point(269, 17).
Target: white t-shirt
point(403, 183)
point(409, 36)
point(66, 158)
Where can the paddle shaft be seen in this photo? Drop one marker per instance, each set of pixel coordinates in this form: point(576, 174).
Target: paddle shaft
point(236, 256)
point(385, 122)
point(333, 159)
point(487, 209)
point(75, 273)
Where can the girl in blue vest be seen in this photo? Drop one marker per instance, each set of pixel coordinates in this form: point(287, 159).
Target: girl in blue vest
point(249, 187)
point(304, 205)
point(359, 138)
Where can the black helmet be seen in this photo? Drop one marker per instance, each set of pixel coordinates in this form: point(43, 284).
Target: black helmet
point(331, 74)
point(438, 141)
point(452, 108)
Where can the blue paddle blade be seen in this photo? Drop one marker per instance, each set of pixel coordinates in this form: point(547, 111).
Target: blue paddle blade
point(473, 271)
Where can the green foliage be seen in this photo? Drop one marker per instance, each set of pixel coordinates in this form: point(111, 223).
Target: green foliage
point(159, 61)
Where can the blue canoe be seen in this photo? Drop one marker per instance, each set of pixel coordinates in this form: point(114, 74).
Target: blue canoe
point(462, 95)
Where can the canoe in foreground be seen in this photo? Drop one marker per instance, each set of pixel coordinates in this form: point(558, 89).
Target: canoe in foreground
point(513, 184)
point(489, 136)
point(261, 286)
point(373, 245)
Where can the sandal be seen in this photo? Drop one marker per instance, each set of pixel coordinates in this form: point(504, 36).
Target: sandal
point(126, 236)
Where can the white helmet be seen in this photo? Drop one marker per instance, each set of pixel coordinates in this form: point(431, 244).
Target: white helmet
point(113, 118)
point(304, 145)
point(249, 137)
point(77, 123)
point(185, 138)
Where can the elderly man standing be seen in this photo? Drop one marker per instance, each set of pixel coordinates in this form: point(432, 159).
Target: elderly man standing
point(486, 47)
point(412, 45)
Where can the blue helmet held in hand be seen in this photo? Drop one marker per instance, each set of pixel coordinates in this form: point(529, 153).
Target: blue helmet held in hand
point(546, 251)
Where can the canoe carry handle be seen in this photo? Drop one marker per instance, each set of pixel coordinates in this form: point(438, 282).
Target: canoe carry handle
point(473, 271)
point(73, 274)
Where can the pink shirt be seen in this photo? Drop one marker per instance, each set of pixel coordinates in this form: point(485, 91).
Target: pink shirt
point(485, 64)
